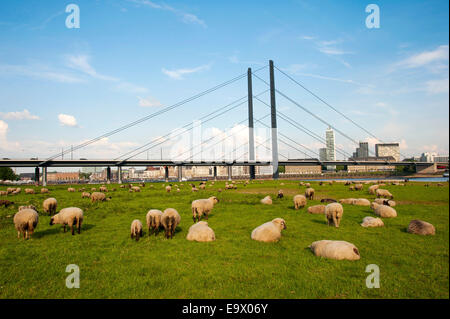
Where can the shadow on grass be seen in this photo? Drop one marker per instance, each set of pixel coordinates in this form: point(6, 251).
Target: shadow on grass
point(322, 222)
point(57, 230)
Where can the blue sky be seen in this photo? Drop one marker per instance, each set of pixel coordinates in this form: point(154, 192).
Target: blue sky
point(60, 86)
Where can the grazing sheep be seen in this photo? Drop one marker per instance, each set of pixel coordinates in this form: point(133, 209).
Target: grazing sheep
point(309, 193)
point(202, 207)
point(3, 193)
point(153, 219)
point(135, 189)
point(299, 201)
point(136, 229)
point(103, 189)
point(347, 183)
point(194, 189)
point(352, 188)
point(328, 200)
point(17, 191)
point(69, 216)
point(5, 203)
point(270, 231)
point(25, 221)
point(373, 188)
point(307, 185)
point(50, 205)
point(169, 220)
point(372, 222)
point(29, 191)
point(85, 195)
point(316, 209)
point(361, 202)
point(421, 227)
point(202, 186)
point(44, 190)
point(99, 197)
point(383, 210)
point(346, 201)
point(9, 190)
point(280, 194)
point(71, 189)
point(358, 187)
point(333, 213)
point(122, 186)
point(168, 189)
point(201, 232)
point(335, 249)
point(28, 207)
point(93, 189)
point(266, 200)
point(384, 193)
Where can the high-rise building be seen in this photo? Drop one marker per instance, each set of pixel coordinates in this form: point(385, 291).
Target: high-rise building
point(388, 149)
point(323, 154)
point(363, 150)
point(331, 150)
point(427, 157)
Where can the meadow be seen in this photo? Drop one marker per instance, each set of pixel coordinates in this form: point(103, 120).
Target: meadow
point(114, 266)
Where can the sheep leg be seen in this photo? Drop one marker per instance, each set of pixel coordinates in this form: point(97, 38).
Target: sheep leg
point(18, 234)
point(72, 229)
point(335, 221)
point(64, 227)
point(79, 226)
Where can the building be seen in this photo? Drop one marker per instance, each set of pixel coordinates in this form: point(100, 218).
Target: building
point(323, 154)
point(331, 149)
point(441, 159)
point(388, 149)
point(363, 150)
point(371, 168)
point(63, 177)
point(427, 157)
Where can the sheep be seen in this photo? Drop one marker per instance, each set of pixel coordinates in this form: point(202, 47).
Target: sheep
point(93, 189)
point(373, 188)
point(372, 222)
point(308, 185)
point(99, 197)
point(3, 193)
point(270, 231)
point(168, 189)
point(136, 189)
point(194, 189)
point(347, 183)
point(358, 187)
point(299, 201)
point(153, 219)
point(352, 188)
point(25, 221)
point(5, 203)
point(85, 195)
point(346, 201)
point(333, 213)
point(29, 191)
point(201, 232)
point(169, 220)
point(316, 209)
point(44, 190)
point(280, 194)
point(136, 229)
point(439, 185)
point(28, 207)
point(9, 190)
point(383, 201)
point(421, 227)
point(17, 191)
point(266, 200)
point(361, 202)
point(69, 216)
point(383, 210)
point(328, 200)
point(71, 189)
point(103, 189)
point(122, 186)
point(50, 205)
point(384, 193)
point(202, 186)
point(202, 207)
point(335, 249)
point(309, 193)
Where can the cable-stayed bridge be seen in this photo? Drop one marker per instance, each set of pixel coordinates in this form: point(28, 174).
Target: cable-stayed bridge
point(221, 157)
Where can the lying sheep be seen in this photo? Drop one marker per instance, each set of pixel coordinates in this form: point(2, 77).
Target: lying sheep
point(372, 222)
point(361, 202)
point(421, 227)
point(5, 203)
point(266, 200)
point(202, 207)
point(44, 190)
point(373, 188)
point(383, 201)
point(316, 209)
point(201, 232)
point(309, 193)
point(384, 193)
point(347, 201)
point(71, 189)
point(85, 195)
point(170, 220)
point(270, 231)
point(328, 200)
point(25, 221)
point(168, 189)
point(135, 189)
point(335, 249)
point(69, 216)
point(383, 210)
point(299, 201)
point(99, 197)
point(280, 194)
point(334, 213)
point(50, 205)
point(29, 191)
point(136, 229)
point(153, 219)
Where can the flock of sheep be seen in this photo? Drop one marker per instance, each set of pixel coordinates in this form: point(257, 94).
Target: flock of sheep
point(27, 218)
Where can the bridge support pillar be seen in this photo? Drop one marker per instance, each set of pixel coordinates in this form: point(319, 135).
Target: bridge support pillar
point(230, 172)
point(180, 172)
point(44, 176)
point(108, 175)
point(119, 174)
point(215, 173)
point(273, 113)
point(251, 137)
point(166, 173)
point(36, 175)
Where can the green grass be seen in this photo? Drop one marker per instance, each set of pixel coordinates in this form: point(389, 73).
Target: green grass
point(234, 266)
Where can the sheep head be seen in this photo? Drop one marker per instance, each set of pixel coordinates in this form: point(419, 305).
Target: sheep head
point(280, 223)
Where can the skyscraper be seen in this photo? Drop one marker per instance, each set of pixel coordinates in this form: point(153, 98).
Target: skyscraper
point(323, 154)
point(363, 150)
point(331, 150)
point(388, 149)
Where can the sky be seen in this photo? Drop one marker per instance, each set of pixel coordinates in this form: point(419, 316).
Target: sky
point(62, 86)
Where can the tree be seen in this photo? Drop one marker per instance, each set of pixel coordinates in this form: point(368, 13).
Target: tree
point(6, 173)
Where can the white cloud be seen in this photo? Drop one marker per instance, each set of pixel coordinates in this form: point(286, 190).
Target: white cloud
point(307, 37)
point(19, 115)
point(3, 130)
point(4, 143)
point(425, 58)
point(178, 73)
point(67, 120)
point(437, 86)
point(148, 102)
point(130, 87)
point(81, 63)
point(40, 72)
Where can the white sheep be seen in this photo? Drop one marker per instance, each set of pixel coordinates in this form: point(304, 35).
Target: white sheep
point(136, 229)
point(270, 231)
point(153, 219)
point(421, 227)
point(316, 209)
point(266, 200)
point(69, 216)
point(25, 221)
point(372, 222)
point(361, 202)
point(384, 201)
point(29, 191)
point(168, 188)
point(384, 193)
point(50, 205)
point(71, 189)
point(373, 188)
point(99, 197)
point(334, 213)
point(44, 190)
point(299, 201)
point(170, 220)
point(201, 232)
point(202, 207)
point(85, 195)
point(383, 210)
point(335, 249)
point(309, 193)
point(347, 201)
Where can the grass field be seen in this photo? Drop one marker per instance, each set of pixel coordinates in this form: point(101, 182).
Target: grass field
point(234, 266)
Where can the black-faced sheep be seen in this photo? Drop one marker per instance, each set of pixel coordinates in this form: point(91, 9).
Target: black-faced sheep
point(309, 193)
point(334, 213)
point(50, 205)
point(270, 231)
point(328, 200)
point(421, 227)
point(280, 194)
point(299, 201)
point(153, 219)
point(201, 232)
point(335, 249)
point(25, 221)
point(202, 207)
point(5, 203)
point(69, 216)
point(168, 189)
point(136, 229)
point(170, 220)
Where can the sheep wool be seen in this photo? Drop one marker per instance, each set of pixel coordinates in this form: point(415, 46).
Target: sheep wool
point(201, 232)
point(202, 207)
point(335, 249)
point(25, 221)
point(50, 205)
point(29, 191)
point(266, 200)
point(372, 222)
point(168, 189)
point(299, 201)
point(153, 219)
point(136, 229)
point(421, 227)
point(361, 202)
point(99, 197)
point(347, 201)
point(309, 193)
point(71, 189)
point(270, 231)
point(85, 195)
point(384, 193)
point(170, 220)
point(69, 216)
point(334, 213)
point(383, 210)
point(316, 209)
point(44, 190)
point(373, 188)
